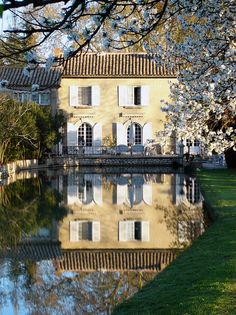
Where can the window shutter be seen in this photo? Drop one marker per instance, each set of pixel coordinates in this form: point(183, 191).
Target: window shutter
point(97, 189)
point(71, 134)
point(122, 231)
point(95, 95)
point(96, 231)
point(72, 194)
point(147, 132)
point(74, 231)
point(182, 231)
point(145, 231)
point(74, 95)
point(72, 189)
point(147, 193)
point(97, 135)
point(129, 230)
point(121, 194)
point(121, 134)
point(145, 95)
point(123, 94)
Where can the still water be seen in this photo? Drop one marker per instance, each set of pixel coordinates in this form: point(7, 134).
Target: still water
point(80, 241)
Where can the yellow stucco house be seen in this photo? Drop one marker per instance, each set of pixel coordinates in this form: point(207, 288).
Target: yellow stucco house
point(116, 96)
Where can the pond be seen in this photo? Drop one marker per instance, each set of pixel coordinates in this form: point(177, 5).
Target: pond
point(79, 241)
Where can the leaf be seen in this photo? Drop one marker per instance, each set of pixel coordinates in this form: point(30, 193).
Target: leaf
point(1, 10)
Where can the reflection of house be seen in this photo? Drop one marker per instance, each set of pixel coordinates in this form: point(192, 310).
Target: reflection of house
point(187, 191)
point(20, 85)
point(115, 260)
point(113, 94)
point(117, 211)
point(84, 189)
point(133, 190)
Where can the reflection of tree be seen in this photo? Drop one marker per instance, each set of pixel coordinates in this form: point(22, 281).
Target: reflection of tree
point(185, 222)
point(81, 293)
point(25, 206)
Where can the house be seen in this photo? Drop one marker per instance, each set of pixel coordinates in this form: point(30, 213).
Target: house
point(115, 96)
point(133, 211)
point(41, 86)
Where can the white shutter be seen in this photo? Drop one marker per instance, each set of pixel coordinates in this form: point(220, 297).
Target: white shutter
point(121, 134)
point(73, 95)
point(97, 189)
point(122, 231)
point(72, 197)
point(147, 132)
point(74, 231)
point(123, 94)
point(145, 95)
point(182, 231)
point(97, 135)
point(95, 95)
point(145, 231)
point(121, 194)
point(129, 230)
point(147, 193)
point(72, 134)
point(96, 231)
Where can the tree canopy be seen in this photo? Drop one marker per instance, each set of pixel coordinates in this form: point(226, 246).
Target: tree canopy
point(26, 130)
point(202, 102)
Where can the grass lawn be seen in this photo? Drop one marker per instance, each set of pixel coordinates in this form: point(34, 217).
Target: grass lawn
point(202, 280)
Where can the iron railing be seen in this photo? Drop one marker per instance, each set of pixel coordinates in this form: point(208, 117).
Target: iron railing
point(103, 150)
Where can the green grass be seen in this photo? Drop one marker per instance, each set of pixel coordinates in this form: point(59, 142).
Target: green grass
point(202, 280)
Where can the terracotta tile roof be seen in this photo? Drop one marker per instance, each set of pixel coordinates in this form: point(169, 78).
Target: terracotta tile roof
point(116, 65)
point(40, 76)
point(93, 259)
point(115, 260)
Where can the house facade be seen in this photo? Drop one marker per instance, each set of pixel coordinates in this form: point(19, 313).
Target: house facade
point(113, 97)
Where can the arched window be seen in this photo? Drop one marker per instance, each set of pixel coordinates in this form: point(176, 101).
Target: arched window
point(85, 190)
point(193, 190)
point(85, 135)
point(134, 134)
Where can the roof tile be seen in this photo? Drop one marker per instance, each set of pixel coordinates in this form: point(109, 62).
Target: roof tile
point(44, 78)
point(116, 65)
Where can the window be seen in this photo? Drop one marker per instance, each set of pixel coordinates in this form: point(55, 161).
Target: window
point(85, 95)
point(193, 190)
point(195, 143)
point(35, 98)
point(85, 135)
point(133, 95)
point(44, 98)
point(39, 98)
point(85, 190)
point(134, 134)
point(133, 230)
point(84, 231)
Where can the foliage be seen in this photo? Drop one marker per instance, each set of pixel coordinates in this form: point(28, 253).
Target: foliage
point(202, 102)
point(109, 142)
point(26, 129)
point(119, 24)
point(202, 279)
point(18, 130)
point(26, 206)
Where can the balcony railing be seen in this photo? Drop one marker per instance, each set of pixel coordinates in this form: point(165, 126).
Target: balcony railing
point(104, 150)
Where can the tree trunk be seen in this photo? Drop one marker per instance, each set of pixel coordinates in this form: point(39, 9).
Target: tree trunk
point(230, 158)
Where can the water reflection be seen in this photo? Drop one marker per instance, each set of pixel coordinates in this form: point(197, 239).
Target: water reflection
point(78, 242)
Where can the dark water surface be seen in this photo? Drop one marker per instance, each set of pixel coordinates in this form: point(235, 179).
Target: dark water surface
point(79, 241)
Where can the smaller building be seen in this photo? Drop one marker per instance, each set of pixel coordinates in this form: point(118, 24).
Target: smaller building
point(41, 86)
